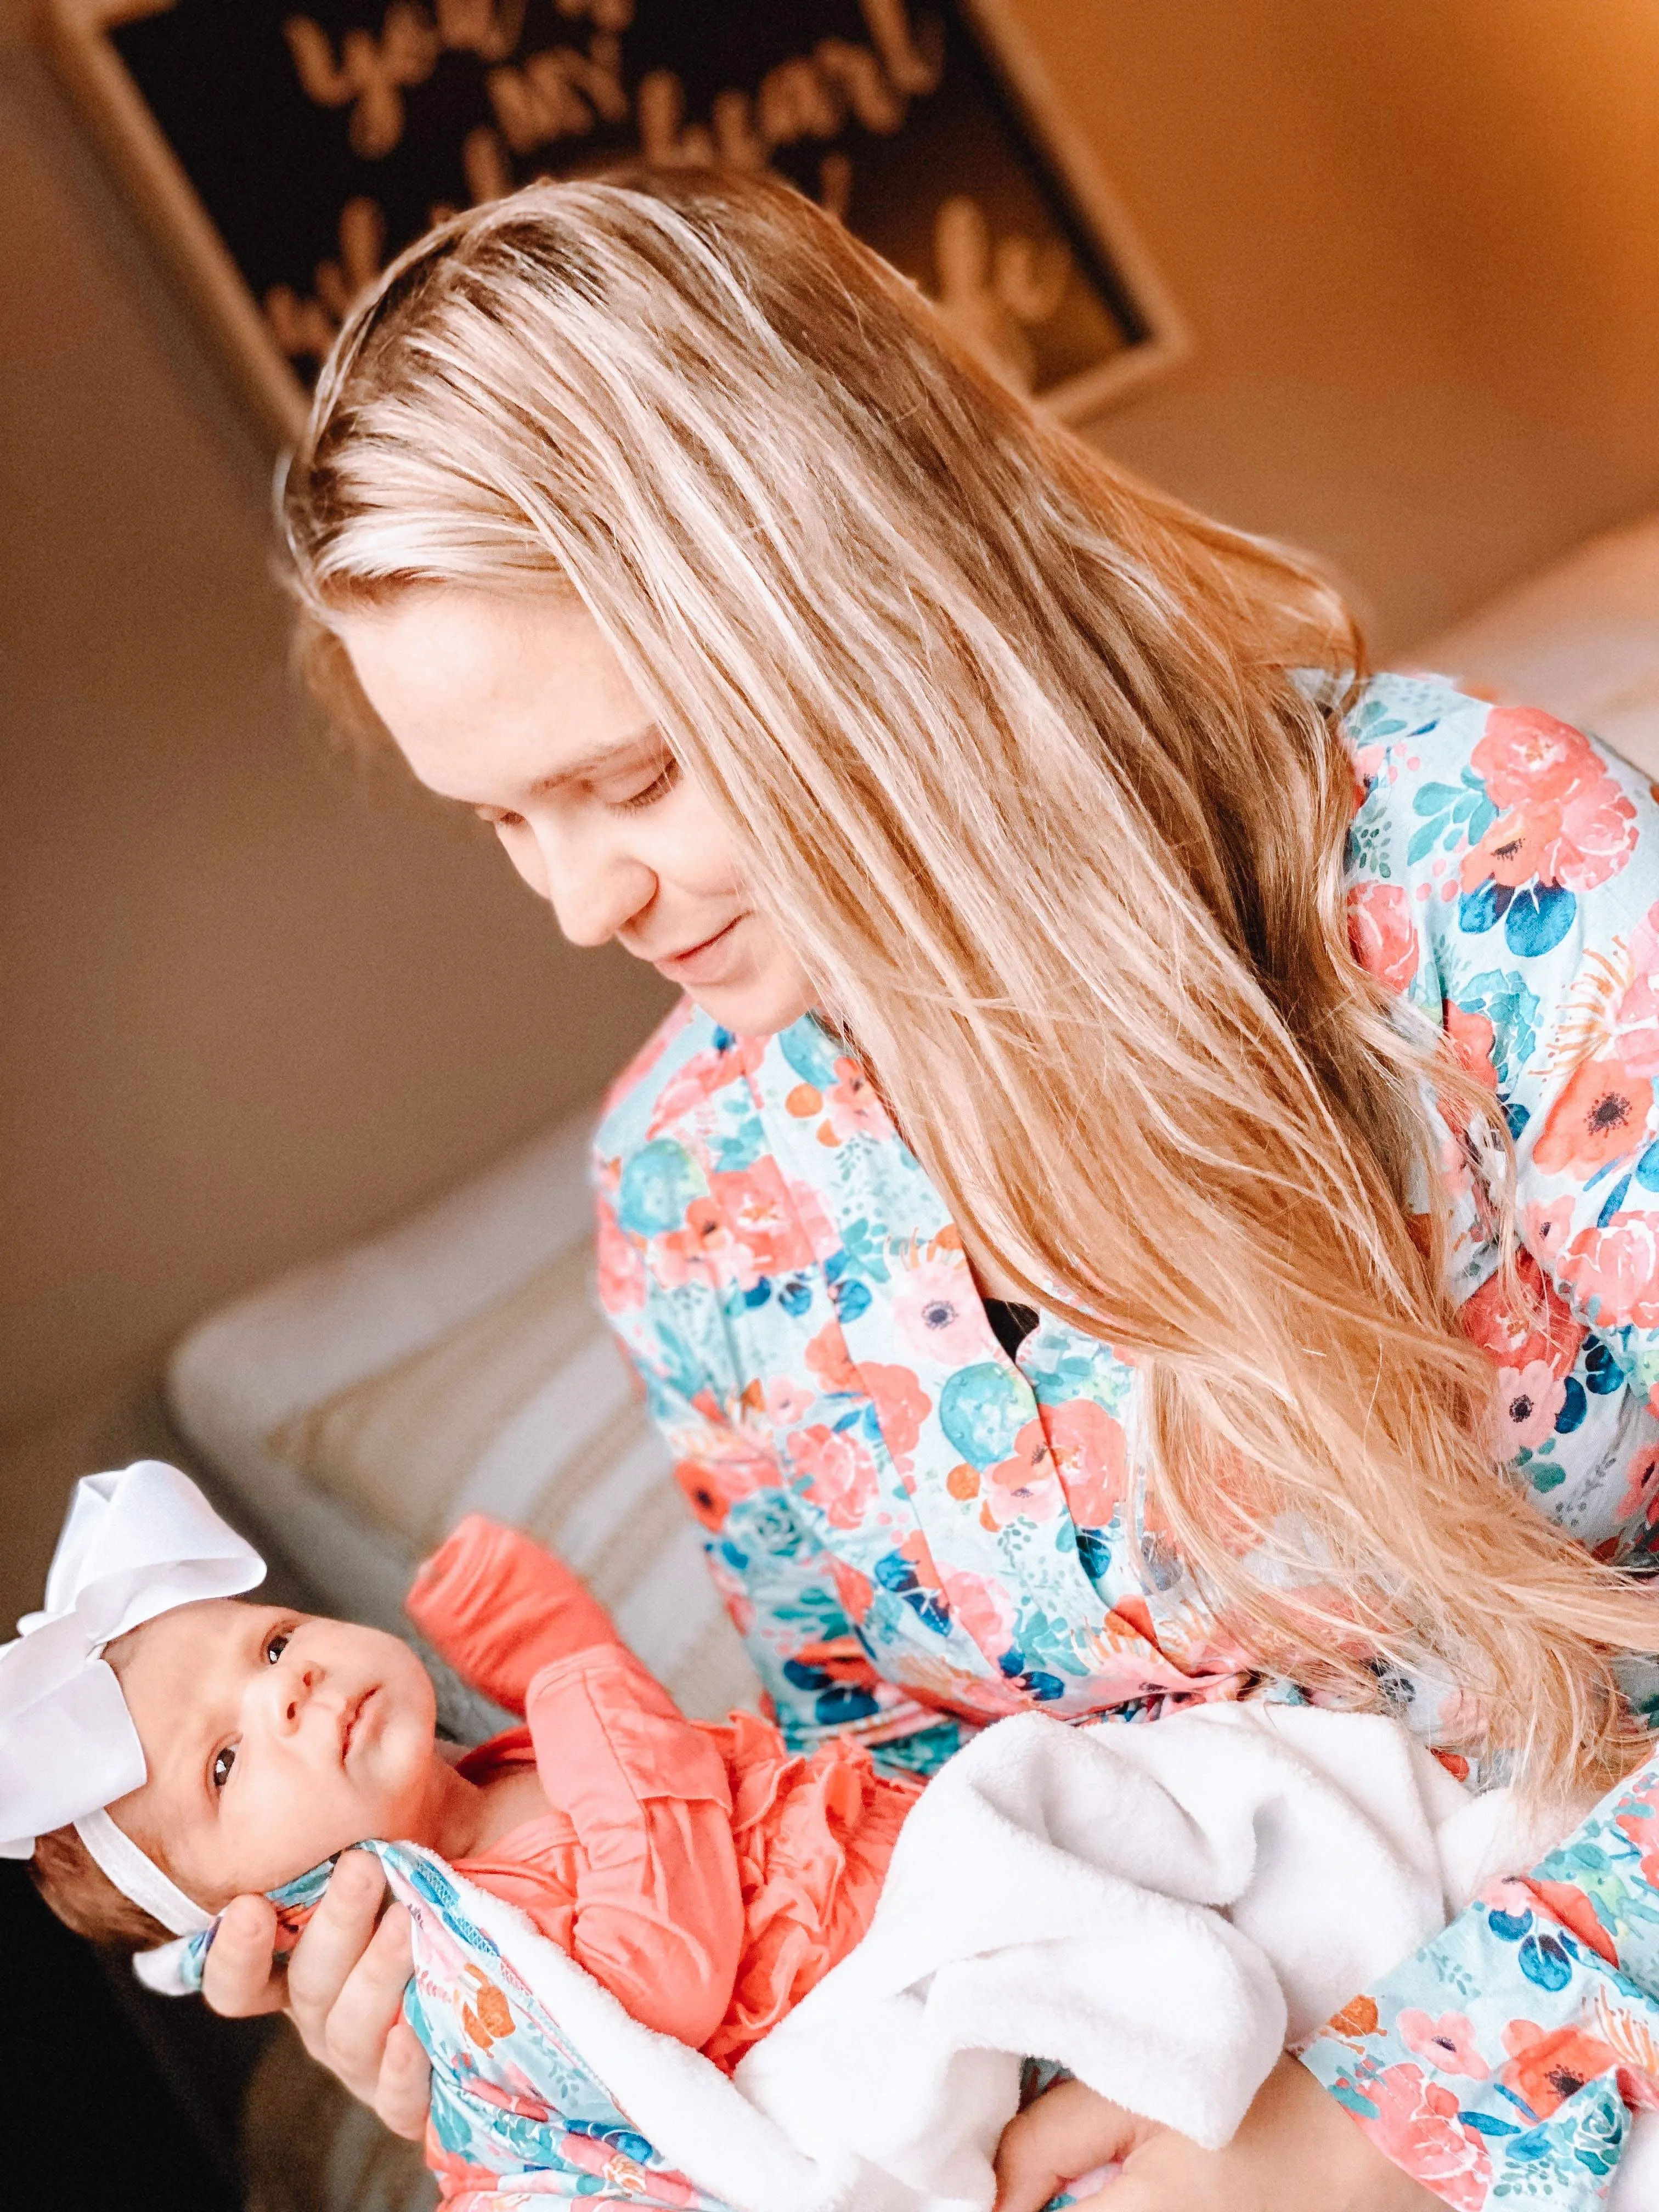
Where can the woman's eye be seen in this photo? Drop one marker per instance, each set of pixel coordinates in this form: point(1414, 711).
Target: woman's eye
point(659, 787)
point(275, 1646)
point(222, 1763)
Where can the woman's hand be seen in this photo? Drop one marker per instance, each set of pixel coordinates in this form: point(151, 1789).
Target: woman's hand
point(343, 1987)
point(1296, 2150)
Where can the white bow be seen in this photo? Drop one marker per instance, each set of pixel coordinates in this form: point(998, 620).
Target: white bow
point(135, 1543)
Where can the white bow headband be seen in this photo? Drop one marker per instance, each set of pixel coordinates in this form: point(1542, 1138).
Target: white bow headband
point(135, 1543)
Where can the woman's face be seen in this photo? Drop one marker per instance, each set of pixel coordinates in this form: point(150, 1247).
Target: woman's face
point(515, 705)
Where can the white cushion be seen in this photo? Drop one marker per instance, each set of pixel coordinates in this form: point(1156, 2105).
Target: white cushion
point(1580, 638)
point(359, 1406)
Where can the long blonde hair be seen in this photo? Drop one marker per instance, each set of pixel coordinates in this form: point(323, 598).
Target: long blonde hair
point(1013, 753)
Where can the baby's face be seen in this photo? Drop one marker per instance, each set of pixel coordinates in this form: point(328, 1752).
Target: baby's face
point(273, 1739)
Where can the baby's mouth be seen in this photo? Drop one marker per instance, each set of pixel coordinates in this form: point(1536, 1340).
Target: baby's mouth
point(350, 1718)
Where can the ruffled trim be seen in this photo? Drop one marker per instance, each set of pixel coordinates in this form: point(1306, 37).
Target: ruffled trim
point(814, 1836)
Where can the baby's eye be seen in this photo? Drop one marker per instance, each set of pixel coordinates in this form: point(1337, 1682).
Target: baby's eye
point(222, 1766)
point(275, 1646)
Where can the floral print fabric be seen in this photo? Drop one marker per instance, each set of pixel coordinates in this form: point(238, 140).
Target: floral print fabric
point(518, 2117)
point(916, 1533)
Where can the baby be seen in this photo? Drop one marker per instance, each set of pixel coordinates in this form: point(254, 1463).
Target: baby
point(702, 1874)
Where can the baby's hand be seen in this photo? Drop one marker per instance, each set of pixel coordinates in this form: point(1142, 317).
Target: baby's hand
point(1066, 2136)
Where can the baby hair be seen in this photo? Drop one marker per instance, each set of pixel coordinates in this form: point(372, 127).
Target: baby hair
point(83, 1896)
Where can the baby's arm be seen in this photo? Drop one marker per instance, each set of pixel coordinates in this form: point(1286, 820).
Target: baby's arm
point(658, 1913)
point(499, 1608)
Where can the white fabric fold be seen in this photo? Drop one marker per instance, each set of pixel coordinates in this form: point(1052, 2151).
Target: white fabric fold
point(136, 1543)
point(1158, 1908)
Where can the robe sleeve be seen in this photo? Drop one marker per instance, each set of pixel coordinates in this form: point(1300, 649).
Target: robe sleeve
point(778, 1583)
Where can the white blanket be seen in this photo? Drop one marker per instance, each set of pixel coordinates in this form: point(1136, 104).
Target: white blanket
point(1158, 1908)
point(1155, 1907)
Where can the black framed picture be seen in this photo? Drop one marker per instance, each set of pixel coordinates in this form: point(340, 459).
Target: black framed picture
point(285, 153)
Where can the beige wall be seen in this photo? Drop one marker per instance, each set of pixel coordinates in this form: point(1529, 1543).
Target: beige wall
point(247, 1007)
point(245, 1010)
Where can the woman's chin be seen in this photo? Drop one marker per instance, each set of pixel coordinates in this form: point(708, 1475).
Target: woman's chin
point(753, 1007)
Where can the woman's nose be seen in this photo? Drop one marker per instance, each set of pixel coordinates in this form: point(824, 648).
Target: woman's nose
point(593, 892)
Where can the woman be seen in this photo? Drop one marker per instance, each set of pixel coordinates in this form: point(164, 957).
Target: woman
point(1066, 1273)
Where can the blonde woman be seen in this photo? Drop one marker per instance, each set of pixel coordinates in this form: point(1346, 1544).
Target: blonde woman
point(1148, 1196)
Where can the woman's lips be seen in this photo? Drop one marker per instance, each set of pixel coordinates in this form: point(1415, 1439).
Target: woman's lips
point(700, 963)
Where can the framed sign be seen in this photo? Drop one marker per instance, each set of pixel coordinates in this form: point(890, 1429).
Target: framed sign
point(284, 150)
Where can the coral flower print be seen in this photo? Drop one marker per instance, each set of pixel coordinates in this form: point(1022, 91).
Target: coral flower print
point(1546, 2069)
point(1528, 1399)
point(1641, 1486)
point(1024, 1483)
point(938, 1312)
point(764, 1222)
point(1381, 931)
point(984, 1608)
point(1417, 2124)
point(1615, 1272)
point(1600, 1118)
point(1448, 2043)
point(1564, 819)
point(1472, 1038)
point(621, 1264)
point(902, 1405)
point(839, 1471)
point(1090, 1459)
point(1547, 1228)
point(704, 1251)
point(853, 1104)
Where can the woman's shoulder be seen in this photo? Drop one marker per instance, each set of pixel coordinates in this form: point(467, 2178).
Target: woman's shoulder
point(1448, 775)
point(694, 1081)
point(1488, 837)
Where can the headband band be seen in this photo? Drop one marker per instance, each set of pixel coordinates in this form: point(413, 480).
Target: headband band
point(137, 1877)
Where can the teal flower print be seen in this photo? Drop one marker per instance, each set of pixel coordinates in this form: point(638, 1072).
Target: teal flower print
point(982, 1410)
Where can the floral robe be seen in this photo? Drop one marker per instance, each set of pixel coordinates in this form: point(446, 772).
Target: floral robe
point(916, 1533)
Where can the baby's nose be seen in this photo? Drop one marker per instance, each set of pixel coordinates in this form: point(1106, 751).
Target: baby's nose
point(295, 1688)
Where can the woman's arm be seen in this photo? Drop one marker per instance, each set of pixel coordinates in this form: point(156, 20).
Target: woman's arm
point(1501, 2060)
point(1293, 2153)
point(778, 1583)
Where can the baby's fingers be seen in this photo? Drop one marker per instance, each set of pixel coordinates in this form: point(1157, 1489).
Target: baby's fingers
point(238, 1977)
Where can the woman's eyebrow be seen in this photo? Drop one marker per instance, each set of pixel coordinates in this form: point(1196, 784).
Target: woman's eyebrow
point(614, 756)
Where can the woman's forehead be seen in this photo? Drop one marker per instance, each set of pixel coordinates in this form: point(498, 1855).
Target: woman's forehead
point(491, 693)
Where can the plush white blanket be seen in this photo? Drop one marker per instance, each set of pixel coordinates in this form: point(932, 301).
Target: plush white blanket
point(1159, 1908)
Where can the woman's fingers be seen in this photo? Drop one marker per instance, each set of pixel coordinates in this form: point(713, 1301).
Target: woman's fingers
point(369, 2006)
point(1067, 2130)
point(238, 1979)
point(405, 2095)
point(347, 1975)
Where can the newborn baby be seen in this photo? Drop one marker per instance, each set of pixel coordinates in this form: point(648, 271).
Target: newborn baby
point(703, 1876)
point(699, 1872)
